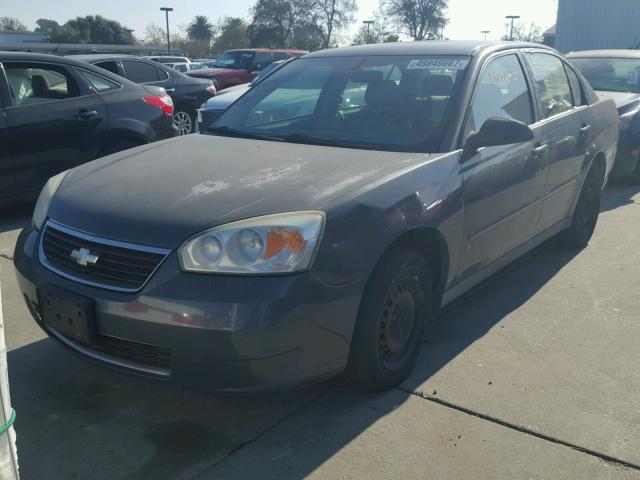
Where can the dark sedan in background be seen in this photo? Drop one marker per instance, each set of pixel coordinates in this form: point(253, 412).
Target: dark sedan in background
point(56, 113)
point(615, 74)
point(188, 93)
point(327, 216)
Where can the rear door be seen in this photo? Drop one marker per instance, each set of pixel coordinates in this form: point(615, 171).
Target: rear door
point(565, 117)
point(503, 186)
point(54, 122)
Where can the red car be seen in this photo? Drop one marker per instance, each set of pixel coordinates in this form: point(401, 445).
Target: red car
point(235, 67)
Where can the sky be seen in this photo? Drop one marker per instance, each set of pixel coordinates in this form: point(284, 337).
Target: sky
point(467, 18)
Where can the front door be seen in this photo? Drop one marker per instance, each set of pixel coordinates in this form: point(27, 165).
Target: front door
point(53, 123)
point(503, 186)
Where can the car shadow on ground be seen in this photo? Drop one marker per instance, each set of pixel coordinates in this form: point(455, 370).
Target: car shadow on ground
point(618, 194)
point(85, 421)
point(15, 217)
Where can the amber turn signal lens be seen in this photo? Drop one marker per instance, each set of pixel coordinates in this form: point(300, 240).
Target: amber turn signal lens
point(279, 239)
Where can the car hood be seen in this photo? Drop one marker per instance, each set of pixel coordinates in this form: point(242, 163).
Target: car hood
point(161, 194)
point(621, 99)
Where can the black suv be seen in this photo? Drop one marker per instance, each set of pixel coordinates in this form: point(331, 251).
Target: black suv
point(188, 93)
point(57, 113)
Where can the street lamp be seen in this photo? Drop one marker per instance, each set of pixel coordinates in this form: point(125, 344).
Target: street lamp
point(166, 11)
point(512, 18)
point(368, 23)
point(485, 32)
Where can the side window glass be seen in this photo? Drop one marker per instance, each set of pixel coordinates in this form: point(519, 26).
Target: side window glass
point(110, 66)
point(502, 92)
point(576, 87)
point(551, 83)
point(140, 72)
point(280, 55)
point(262, 59)
point(38, 83)
point(162, 75)
point(99, 83)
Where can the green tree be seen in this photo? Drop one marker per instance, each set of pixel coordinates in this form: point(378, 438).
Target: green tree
point(10, 24)
point(420, 19)
point(44, 25)
point(524, 32)
point(274, 22)
point(233, 34)
point(201, 30)
point(378, 32)
point(93, 29)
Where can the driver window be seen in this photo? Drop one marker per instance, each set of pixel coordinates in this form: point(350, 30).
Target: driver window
point(552, 85)
point(502, 92)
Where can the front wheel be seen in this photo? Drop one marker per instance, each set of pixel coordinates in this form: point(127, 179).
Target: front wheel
point(587, 212)
point(391, 322)
point(184, 122)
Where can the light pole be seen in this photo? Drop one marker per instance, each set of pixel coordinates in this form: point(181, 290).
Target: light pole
point(368, 23)
point(166, 11)
point(485, 32)
point(512, 18)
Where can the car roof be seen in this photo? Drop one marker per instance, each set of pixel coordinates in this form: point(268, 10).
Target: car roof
point(264, 50)
point(42, 57)
point(102, 56)
point(430, 47)
point(605, 54)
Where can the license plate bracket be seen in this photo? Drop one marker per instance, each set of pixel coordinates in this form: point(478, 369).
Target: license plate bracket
point(68, 314)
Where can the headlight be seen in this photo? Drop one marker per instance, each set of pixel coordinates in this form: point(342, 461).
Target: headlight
point(280, 243)
point(42, 205)
point(214, 82)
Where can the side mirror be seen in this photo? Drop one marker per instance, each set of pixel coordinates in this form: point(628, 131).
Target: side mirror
point(496, 131)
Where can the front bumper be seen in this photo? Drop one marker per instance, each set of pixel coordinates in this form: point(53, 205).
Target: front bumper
point(221, 333)
point(627, 155)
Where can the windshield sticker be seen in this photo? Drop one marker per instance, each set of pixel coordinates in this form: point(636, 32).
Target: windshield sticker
point(436, 63)
point(632, 77)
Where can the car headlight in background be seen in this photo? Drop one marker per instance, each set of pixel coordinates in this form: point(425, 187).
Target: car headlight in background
point(280, 243)
point(47, 193)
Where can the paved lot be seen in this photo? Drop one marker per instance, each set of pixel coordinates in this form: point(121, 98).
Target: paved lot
point(536, 375)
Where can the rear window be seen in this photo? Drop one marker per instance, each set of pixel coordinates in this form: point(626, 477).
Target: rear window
point(611, 74)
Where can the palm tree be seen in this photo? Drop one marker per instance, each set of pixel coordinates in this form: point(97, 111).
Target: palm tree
point(201, 30)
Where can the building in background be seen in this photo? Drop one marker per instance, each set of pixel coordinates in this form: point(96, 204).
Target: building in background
point(597, 24)
point(13, 38)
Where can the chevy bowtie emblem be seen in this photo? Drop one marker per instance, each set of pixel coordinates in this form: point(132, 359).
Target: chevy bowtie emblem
point(84, 257)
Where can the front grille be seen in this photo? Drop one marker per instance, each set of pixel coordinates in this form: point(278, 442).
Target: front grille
point(134, 352)
point(119, 266)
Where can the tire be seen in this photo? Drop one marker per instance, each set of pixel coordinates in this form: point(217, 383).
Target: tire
point(184, 121)
point(585, 216)
point(393, 314)
point(635, 175)
point(119, 146)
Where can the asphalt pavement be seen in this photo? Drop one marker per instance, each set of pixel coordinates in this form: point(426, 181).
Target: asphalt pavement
point(533, 375)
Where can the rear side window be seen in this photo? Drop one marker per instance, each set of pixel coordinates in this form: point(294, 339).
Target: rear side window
point(579, 97)
point(140, 72)
point(31, 83)
point(262, 59)
point(551, 83)
point(111, 66)
point(280, 56)
point(98, 82)
point(502, 91)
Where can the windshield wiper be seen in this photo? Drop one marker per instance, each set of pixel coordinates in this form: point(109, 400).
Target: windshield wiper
point(234, 132)
point(330, 142)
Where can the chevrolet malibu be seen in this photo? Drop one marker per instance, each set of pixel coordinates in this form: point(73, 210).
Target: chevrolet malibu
point(323, 220)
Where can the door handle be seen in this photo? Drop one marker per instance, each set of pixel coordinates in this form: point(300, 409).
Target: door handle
point(540, 150)
point(585, 129)
point(86, 114)
point(169, 90)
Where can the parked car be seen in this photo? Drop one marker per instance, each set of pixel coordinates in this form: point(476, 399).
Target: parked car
point(235, 67)
point(56, 113)
point(305, 237)
point(187, 93)
point(213, 108)
point(615, 74)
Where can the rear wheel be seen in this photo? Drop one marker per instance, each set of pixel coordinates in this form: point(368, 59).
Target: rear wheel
point(184, 121)
point(391, 322)
point(587, 211)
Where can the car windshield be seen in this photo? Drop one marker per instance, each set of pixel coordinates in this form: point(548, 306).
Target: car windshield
point(395, 103)
point(611, 74)
point(234, 60)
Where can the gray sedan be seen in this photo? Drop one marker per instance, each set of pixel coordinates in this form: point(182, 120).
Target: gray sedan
point(327, 216)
